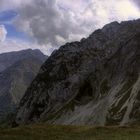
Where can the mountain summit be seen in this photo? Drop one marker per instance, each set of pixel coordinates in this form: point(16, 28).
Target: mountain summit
point(94, 81)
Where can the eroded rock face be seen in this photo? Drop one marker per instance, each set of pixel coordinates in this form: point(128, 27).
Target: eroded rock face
point(95, 81)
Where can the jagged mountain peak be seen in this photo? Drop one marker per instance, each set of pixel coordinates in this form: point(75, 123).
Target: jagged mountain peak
point(94, 81)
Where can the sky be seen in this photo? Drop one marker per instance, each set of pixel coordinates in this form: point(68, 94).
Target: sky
point(48, 24)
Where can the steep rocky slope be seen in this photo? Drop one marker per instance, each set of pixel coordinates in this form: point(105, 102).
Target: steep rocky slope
point(94, 81)
point(15, 79)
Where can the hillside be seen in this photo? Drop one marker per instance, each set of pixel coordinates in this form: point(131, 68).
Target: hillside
point(95, 81)
point(57, 132)
point(15, 79)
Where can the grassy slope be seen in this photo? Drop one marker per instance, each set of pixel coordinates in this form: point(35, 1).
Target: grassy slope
point(56, 132)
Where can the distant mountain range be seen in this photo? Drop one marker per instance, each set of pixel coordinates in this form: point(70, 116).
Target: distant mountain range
point(7, 59)
point(17, 70)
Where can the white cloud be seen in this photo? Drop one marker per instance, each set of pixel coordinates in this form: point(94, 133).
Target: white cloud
point(3, 33)
point(60, 40)
point(76, 6)
point(101, 12)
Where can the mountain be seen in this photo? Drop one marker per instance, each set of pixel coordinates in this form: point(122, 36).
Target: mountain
point(94, 81)
point(7, 59)
point(19, 69)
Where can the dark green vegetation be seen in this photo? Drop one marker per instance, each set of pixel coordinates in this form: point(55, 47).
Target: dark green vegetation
point(57, 132)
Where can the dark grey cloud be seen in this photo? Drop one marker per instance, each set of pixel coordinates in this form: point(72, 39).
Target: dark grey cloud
point(48, 22)
point(137, 2)
point(56, 21)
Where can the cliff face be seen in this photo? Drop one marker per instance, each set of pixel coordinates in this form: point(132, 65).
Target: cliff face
point(94, 81)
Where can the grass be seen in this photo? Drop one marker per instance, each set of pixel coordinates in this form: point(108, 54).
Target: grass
point(63, 132)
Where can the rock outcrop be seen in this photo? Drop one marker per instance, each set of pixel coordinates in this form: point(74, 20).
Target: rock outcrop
point(94, 81)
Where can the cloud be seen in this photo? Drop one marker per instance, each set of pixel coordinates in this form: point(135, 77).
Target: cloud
point(54, 22)
point(12, 4)
point(105, 11)
point(48, 22)
point(58, 21)
point(3, 33)
point(137, 2)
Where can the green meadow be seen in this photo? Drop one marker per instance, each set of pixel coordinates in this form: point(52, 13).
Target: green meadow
point(64, 132)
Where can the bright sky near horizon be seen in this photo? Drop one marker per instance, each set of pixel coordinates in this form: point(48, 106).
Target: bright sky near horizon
point(48, 24)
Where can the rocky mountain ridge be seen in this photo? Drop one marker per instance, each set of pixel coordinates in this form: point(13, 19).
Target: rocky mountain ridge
point(94, 81)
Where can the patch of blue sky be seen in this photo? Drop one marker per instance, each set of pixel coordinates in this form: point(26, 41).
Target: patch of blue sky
point(13, 32)
point(8, 15)
point(6, 18)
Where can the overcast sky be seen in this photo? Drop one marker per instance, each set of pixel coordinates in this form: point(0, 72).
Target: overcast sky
point(48, 24)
